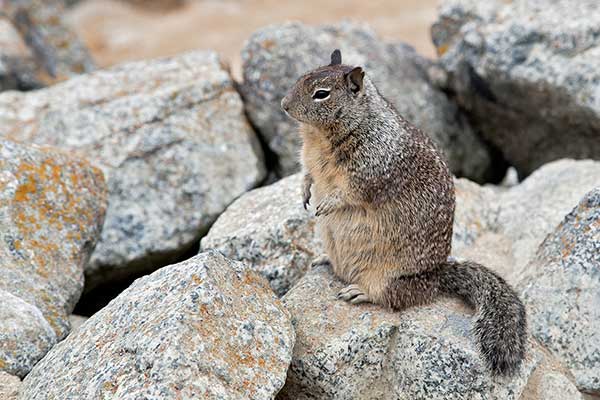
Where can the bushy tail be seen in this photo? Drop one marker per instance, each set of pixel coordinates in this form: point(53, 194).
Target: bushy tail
point(500, 322)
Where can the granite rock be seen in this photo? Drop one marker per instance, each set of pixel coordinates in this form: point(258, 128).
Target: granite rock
point(9, 386)
point(51, 211)
point(205, 328)
point(561, 287)
point(344, 351)
point(17, 65)
point(503, 228)
point(276, 56)
point(170, 136)
point(38, 48)
point(269, 230)
point(528, 74)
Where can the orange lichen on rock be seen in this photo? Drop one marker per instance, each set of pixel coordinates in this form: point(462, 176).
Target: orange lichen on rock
point(54, 209)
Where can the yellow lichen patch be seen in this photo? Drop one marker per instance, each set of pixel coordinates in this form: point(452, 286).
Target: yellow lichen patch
point(109, 387)
point(442, 49)
point(56, 209)
point(268, 44)
point(567, 246)
point(25, 189)
point(197, 280)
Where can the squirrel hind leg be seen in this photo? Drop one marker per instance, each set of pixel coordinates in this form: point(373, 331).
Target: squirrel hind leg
point(407, 291)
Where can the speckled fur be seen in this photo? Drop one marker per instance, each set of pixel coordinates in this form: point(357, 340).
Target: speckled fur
point(385, 201)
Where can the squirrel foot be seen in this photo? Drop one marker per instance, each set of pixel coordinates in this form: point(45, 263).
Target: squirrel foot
point(353, 294)
point(323, 259)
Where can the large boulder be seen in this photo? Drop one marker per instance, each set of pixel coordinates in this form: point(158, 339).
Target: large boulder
point(9, 386)
point(527, 72)
point(345, 351)
point(205, 328)
point(172, 139)
point(504, 228)
point(38, 48)
point(269, 230)
point(276, 56)
point(17, 65)
point(561, 287)
point(51, 211)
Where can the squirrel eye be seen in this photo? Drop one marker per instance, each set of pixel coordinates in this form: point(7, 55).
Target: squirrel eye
point(321, 94)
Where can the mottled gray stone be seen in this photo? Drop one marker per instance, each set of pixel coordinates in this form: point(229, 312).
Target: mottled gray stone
point(527, 72)
point(344, 351)
point(51, 212)
point(25, 335)
point(207, 328)
point(76, 321)
point(276, 56)
point(17, 66)
point(38, 48)
point(9, 386)
point(172, 140)
point(269, 230)
point(502, 228)
point(561, 287)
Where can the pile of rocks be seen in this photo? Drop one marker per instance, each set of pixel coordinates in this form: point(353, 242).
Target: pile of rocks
point(114, 174)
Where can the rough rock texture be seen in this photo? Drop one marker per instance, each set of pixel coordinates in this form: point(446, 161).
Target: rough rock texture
point(561, 287)
point(9, 386)
point(51, 212)
point(76, 321)
point(345, 351)
point(528, 72)
point(40, 48)
point(170, 136)
point(17, 66)
point(504, 228)
point(269, 230)
point(276, 56)
point(205, 328)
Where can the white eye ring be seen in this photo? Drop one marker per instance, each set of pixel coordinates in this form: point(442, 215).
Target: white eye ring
point(328, 90)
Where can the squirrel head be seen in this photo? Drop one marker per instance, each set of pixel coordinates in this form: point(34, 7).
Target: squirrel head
point(329, 96)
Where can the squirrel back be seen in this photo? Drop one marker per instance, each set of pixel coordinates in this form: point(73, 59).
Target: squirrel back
point(385, 206)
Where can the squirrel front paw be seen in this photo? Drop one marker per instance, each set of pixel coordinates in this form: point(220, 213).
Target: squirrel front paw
point(306, 197)
point(306, 184)
point(328, 205)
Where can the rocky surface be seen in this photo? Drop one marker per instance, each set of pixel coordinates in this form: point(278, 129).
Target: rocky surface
point(269, 230)
point(17, 66)
point(561, 287)
point(170, 137)
point(503, 228)
point(274, 57)
point(38, 48)
point(51, 211)
point(9, 386)
point(76, 321)
point(206, 328)
point(527, 72)
point(345, 351)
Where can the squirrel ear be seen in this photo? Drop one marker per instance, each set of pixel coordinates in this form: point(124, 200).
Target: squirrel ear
point(354, 79)
point(336, 57)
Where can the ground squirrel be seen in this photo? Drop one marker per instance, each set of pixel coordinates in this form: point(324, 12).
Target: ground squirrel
point(385, 206)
